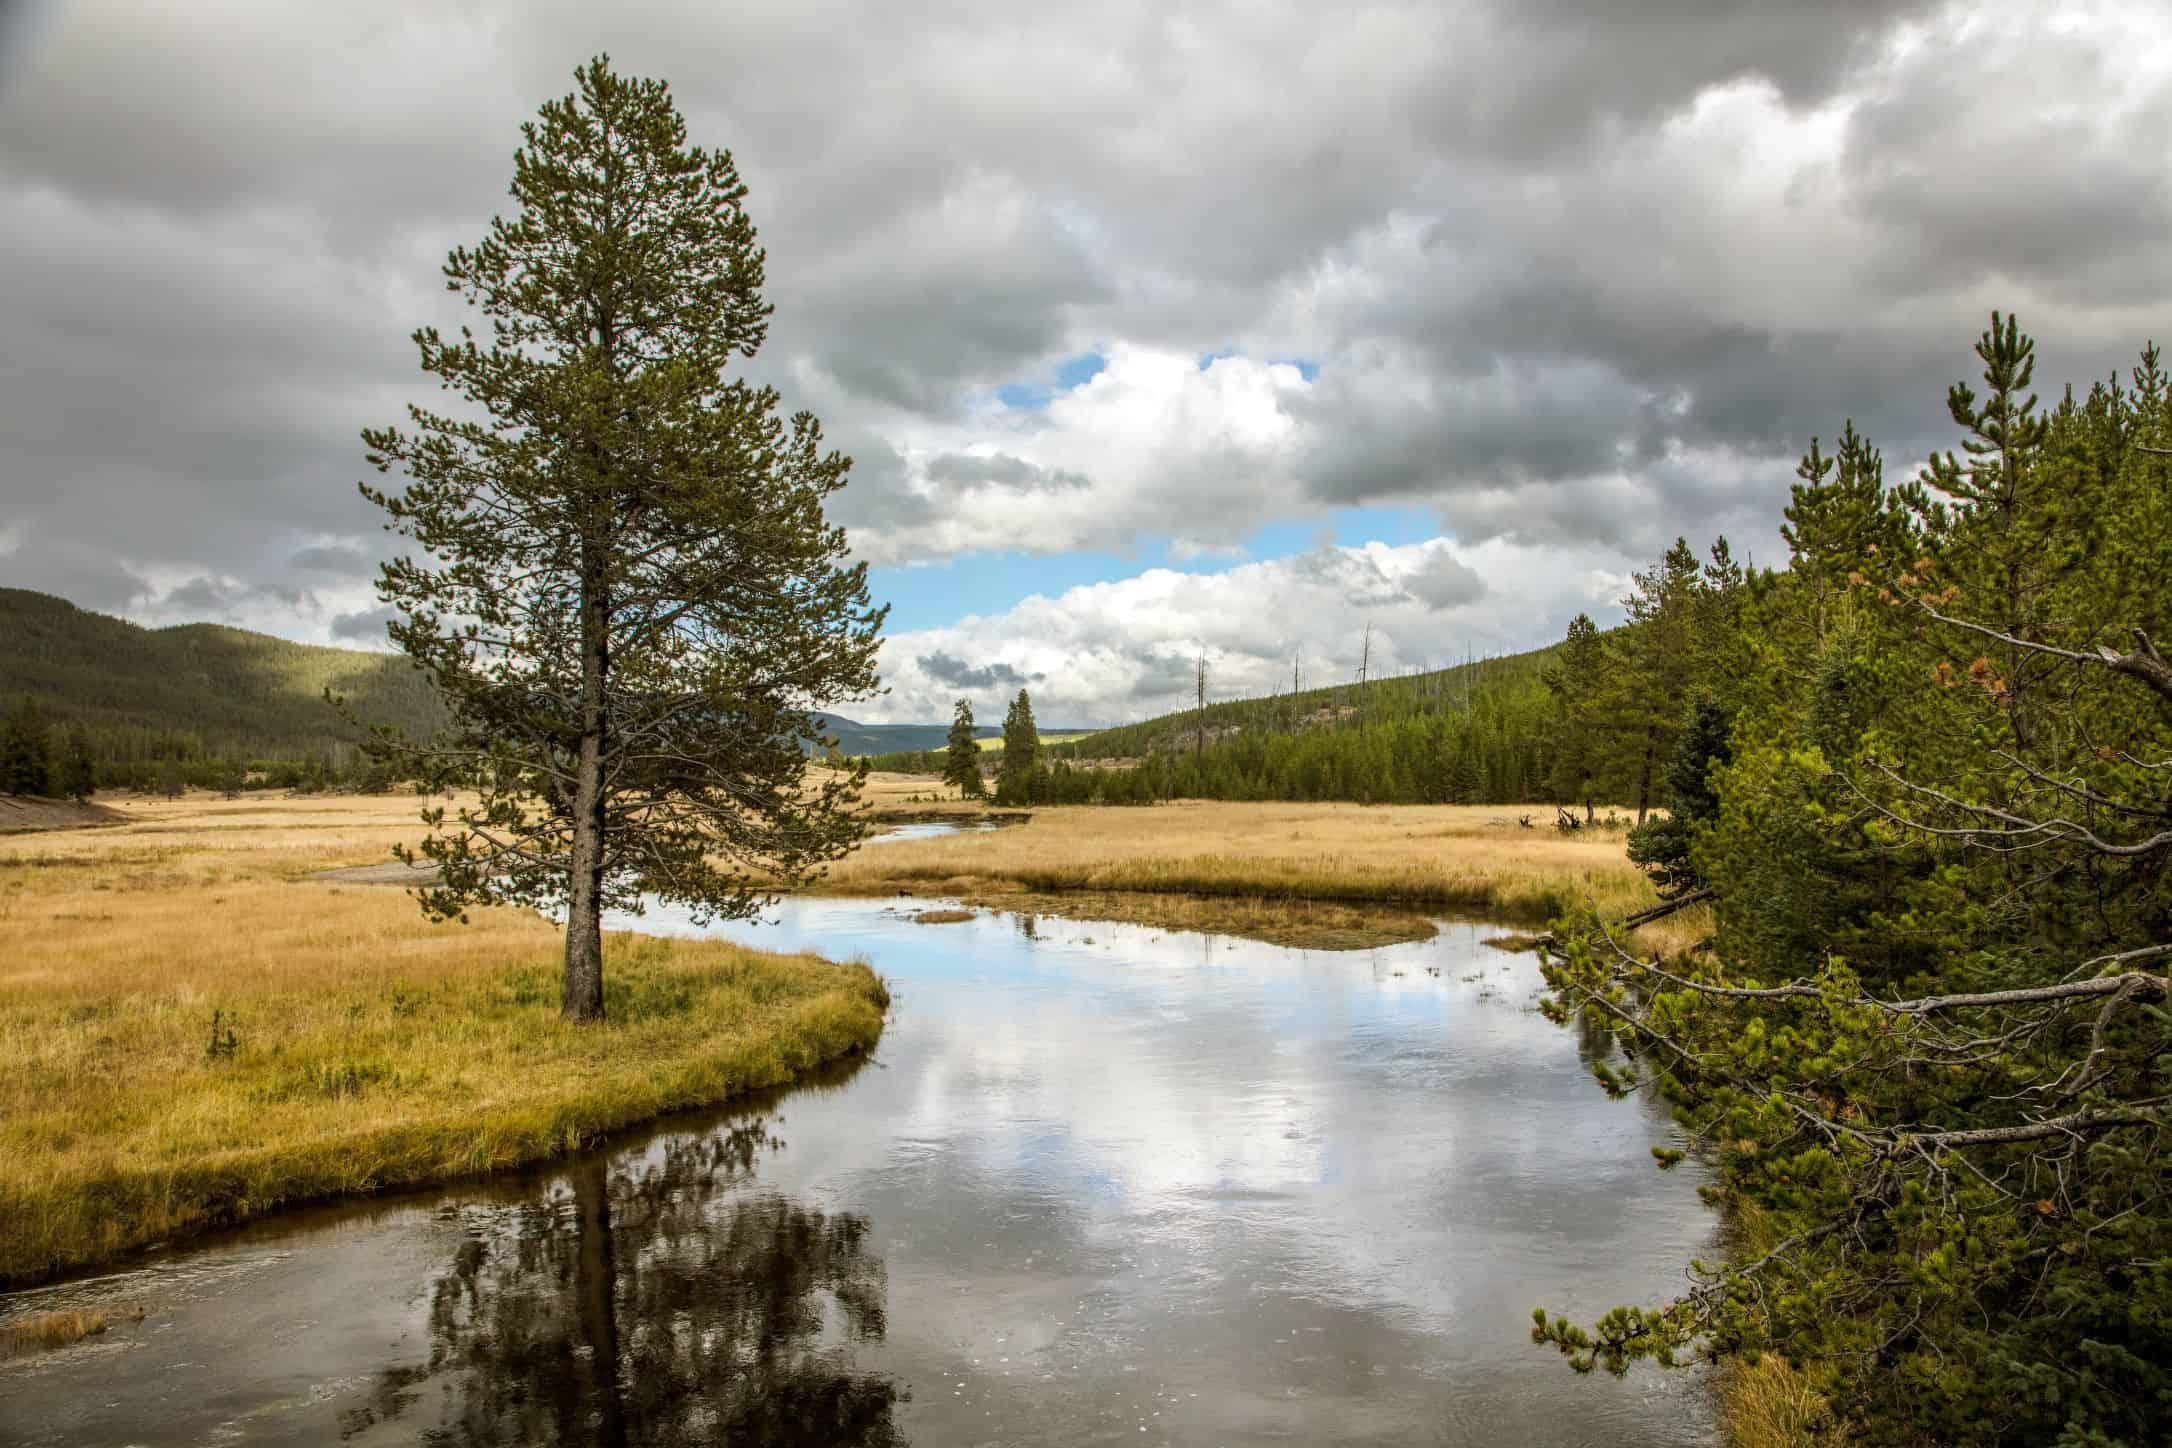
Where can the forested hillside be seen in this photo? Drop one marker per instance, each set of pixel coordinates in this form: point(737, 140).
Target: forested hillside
point(198, 691)
point(1477, 732)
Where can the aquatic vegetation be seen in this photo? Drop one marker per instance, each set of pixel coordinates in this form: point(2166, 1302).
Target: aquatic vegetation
point(57, 1329)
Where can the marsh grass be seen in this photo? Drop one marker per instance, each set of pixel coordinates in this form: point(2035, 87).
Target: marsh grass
point(192, 1032)
point(1772, 1404)
point(58, 1329)
point(1470, 860)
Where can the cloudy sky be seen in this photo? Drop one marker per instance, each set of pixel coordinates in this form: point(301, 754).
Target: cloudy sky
point(1152, 328)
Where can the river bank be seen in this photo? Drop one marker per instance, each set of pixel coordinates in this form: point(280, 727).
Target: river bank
point(1099, 1182)
point(193, 1034)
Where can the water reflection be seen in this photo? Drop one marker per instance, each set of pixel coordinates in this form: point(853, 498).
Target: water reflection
point(1101, 1183)
point(926, 830)
point(660, 1305)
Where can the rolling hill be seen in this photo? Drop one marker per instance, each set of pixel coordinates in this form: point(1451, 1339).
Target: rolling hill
point(1473, 733)
point(1379, 701)
point(207, 689)
point(218, 691)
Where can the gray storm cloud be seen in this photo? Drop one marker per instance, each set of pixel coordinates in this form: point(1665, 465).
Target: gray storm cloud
point(1570, 275)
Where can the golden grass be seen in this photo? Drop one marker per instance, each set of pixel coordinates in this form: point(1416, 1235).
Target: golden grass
point(1469, 859)
point(58, 1329)
point(192, 1032)
point(944, 917)
point(1773, 1404)
point(993, 744)
point(911, 796)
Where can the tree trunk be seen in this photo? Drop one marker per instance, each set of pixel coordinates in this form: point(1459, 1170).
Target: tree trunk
point(584, 894)
point(596, 1286)
point(1644, 778)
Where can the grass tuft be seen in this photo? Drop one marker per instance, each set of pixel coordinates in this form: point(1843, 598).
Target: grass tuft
point(1773, 1404)
point(58, 1329)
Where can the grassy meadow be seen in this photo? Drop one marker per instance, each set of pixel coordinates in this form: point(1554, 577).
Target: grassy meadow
point(193, 1031)
point(1275, 871)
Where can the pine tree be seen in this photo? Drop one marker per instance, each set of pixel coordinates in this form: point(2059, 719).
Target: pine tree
point(1665, 846)
point(624, 584)
point(1578, 731)
point(1652, 667)
point(76, 777)
point(1021, 750)
point(2005, 527)
point(961, 763)
point(25, 751)
point(1840, 523)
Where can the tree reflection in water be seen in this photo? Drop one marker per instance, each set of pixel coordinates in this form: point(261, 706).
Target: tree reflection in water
point(666, 1304)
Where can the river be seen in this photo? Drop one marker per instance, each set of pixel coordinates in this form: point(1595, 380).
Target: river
point(1099, 1184)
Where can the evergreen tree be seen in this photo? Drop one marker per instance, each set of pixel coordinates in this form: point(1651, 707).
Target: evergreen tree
point(1653, 665)
point(1838, 522)
point(623, 582)
point(1664, 845)
point(961, 762)
point(76, 777)
point(1021, 752)
point(25, 751)
point(2004, 527)
point(1578, 732)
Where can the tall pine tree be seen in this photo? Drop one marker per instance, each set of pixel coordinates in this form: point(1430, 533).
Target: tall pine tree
point(623, 582)
point(1654, 664)
point(1578, 734)
point(961, 761)
point(1021, 751)
point(25, 751)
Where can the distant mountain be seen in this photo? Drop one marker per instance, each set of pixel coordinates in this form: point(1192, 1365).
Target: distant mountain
point(230, 691)
point(855, 738)
point(246, 694)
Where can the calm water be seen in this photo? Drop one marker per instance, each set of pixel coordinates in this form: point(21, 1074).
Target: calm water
point(925, 830)
point(1100, 1184)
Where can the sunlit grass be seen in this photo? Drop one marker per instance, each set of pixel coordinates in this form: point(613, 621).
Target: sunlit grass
point(1470, 859)
point(993, 744)
point(1772, 1404)
point(193, 1032)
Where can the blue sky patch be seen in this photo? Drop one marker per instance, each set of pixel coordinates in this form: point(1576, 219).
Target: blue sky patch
point(933, 595)
point(1070, 373)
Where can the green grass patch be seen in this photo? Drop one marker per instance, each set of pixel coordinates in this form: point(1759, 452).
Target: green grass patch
point(135, 1120)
